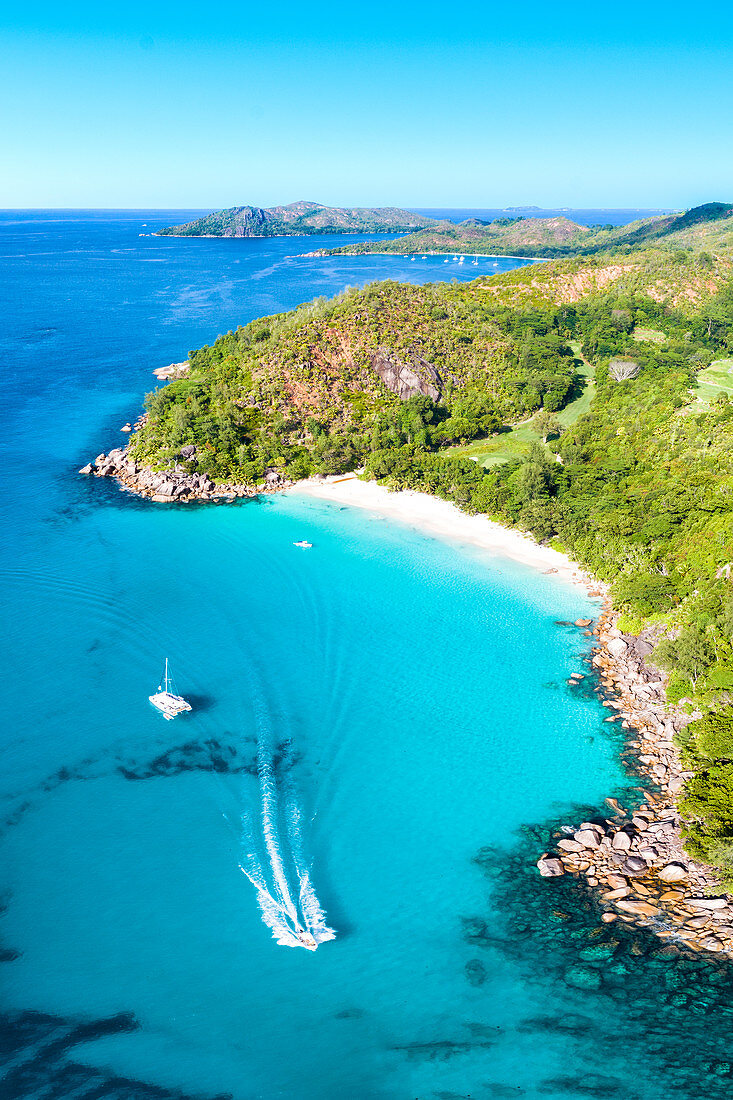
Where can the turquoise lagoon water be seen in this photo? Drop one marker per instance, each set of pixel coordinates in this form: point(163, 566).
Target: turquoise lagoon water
point(407, 695)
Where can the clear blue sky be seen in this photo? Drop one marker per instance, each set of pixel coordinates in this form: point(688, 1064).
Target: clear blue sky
point(474, 105)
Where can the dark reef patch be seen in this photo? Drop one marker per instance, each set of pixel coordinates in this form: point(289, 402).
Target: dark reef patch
point(37, 1052)
point(441, 1050)
point(476, 973)
point(204, 756)
point(349, 1014)
point(211, 755)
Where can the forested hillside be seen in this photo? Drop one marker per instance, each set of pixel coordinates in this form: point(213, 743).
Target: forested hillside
point(639, 489)
point(297, 219)
point(707, 227)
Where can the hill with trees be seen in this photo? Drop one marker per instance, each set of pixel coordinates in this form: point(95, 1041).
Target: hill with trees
point(705, 227)
point(297, 219)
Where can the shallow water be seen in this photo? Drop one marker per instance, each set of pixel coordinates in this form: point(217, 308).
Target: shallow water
point(411, 695)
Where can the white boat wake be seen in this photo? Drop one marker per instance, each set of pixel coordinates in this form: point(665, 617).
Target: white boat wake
point(279, 872)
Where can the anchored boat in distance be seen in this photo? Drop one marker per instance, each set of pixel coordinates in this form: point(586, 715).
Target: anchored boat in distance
point(166, 700)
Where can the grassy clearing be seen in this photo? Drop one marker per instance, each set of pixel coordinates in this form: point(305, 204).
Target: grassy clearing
point(651, 334)
point(711, 382)
point(515, 441)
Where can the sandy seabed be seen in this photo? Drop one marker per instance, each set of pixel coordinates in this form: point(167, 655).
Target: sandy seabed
point(444, 520)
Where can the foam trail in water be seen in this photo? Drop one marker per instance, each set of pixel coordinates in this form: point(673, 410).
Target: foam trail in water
point(293, 925)
point(313, 915)
point(270, 830)
point(272, 911)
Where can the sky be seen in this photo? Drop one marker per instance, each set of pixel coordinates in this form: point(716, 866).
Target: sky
point(153, 105)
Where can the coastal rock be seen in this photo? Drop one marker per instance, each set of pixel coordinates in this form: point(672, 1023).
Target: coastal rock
point(621, 841)
point(673, 872)
point(588, 838)
point(634, 865)
point(88, 469)
point(614, 895)
point(617, 647)
point(583, 622)
point(708, 903)
point(638, 907)
point(570, 845)
point(550, 867)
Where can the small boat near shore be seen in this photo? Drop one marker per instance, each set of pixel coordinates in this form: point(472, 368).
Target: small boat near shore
point(304, 544)
point(165, 699)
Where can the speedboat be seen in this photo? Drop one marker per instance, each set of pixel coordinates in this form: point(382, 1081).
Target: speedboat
point(306, 940)
point(165, 699)
point(304, 543)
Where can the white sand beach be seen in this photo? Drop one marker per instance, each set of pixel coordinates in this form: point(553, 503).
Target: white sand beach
point(444, 520)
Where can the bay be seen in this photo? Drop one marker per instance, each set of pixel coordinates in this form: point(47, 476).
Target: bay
point(406, 696)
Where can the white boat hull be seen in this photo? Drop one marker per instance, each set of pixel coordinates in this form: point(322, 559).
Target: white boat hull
point(169, 705)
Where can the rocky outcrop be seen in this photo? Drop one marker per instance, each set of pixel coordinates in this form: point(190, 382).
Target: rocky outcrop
point(635, 860)
point(406, 380)
point(175, 485)
point(172, 371)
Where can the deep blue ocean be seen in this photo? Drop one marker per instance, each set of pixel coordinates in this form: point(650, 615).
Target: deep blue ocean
point(382, 729)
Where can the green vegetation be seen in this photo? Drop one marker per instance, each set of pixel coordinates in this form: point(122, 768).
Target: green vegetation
point(515, 441)
point(634, 477)
point(297, 219)
point(705, 227)
point(707, 747)
point(305, 392)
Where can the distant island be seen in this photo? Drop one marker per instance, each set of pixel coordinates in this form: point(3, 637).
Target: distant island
point(557, 236)
point(297, 220)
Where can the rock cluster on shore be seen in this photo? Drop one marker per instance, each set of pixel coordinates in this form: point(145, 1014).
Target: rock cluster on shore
point(176, 484)
point(635, 861)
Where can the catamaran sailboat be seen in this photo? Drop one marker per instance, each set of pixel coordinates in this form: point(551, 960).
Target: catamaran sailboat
point(165, 698)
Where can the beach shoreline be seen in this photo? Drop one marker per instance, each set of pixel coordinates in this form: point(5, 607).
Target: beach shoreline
point(443, 519)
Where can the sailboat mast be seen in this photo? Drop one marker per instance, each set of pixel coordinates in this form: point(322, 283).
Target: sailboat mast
point(166, 675)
